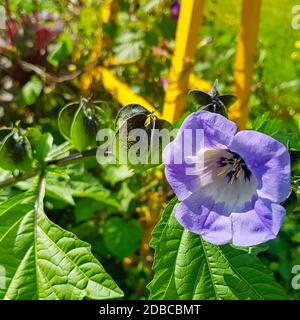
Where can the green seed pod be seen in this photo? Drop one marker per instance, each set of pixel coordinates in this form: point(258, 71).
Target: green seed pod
point(15, 152)
point(79, 123)
point(132, 116)
point(65, 119)
point(135, 116)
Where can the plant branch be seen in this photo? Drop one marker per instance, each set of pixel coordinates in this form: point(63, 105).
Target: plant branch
point(72, 158)
point(47, 76)
point(21, 177)
point(39, 199)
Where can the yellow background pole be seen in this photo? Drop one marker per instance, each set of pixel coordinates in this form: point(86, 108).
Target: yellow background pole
point(245, 58)
point(121, 91)
point(198, 83)
point(190, 17)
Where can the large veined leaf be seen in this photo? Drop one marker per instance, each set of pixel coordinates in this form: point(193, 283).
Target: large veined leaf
point(187, 267)
point(40, 260)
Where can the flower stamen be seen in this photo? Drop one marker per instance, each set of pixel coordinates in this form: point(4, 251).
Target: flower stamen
point(234, 168)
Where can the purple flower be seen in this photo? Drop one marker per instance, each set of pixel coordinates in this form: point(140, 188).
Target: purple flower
point(174, 11)
point(237, 183)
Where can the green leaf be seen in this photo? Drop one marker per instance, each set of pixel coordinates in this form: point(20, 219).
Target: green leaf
point(267, 125)
point(122, 238)
point(43, 147)
point(187, 267)
point(6, 193)
point(33, 134)
point(62, 49)
point(277, 129)
point(59, 188)
point(41, 143)
point(124, 197)
point(60, 151)
point(31, 90)
point(85, 185)
point(116, 173)
point(40, 260)
point(74, 182)
point(129, 46)
point(167, 27)
point(293, 142)
point(149, 5)
point(85, 209)
point(159, 228)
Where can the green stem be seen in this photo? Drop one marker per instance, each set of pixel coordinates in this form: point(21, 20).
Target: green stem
point(39, 197)
point(21, 177)
point(72, 158)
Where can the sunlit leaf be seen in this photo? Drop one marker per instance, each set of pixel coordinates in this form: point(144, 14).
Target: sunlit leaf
point(60, 151)
point(44, 261)
point(187, 267)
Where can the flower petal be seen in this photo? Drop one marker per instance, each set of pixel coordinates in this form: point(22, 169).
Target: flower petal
point(199, 130)
point(218, 130)
point(213, 227)
point(257, 225)
point(268, 160)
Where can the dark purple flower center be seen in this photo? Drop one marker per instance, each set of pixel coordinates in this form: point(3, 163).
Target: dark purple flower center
point(234, 167)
